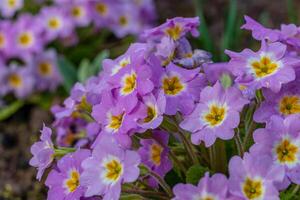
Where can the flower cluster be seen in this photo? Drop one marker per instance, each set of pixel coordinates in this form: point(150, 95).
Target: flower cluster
point(28, 64)
point(162, 107)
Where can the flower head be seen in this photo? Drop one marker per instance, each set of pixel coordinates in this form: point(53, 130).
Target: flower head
point(43, 152)
point(208, 188)
point(9, 7)
point(64, 182)
point(108, 168)
point(216, 114)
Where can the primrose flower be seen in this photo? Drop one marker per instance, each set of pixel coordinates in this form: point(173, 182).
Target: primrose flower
point(284, 103)
point(64, 182)
point(281, 140)
point(43, 152)
point(102, 12)
point(46, 71)
point(155, 108)
point(108, 168)
point(5, 39)
point(208, 188)
point(154, 153)
point(270, 67)
point(27, 37)
point(9, 7)
point(80, 13)
point(17, 80)
point(115, 120)
point(181, 88)
point(175, 29)
point(55, 22)
point(253, 177)
point(216, 114)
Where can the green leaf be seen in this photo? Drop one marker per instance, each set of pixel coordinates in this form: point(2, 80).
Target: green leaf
point(84, 70)
point(68, 72)
point(194, 174)
point(97, 63)
point(11, 109)
point(131, 197)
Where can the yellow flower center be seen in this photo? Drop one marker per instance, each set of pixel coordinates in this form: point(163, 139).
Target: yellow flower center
point(174, 32)
point(172, 85)
point(101, 8)
point(84, 106)
point(115, 122)
point(253, 189)
point(11, 3)
point(45, 69)
point(129, 83)
point(73, 182)
point(15, 80)
point(151, 114)
point(54, 23)
point(2, 40)
point(114, 170)
point(215, 115)
point(155, 153)
point(289, 105)
point(264, 67)
point(77, 11)
point(25, 39)
point(286, 152)
point(123, 21)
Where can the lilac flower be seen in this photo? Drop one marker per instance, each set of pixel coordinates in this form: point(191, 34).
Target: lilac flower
point(56, 23)
point(155, 107)
point(181, 88)
point(17, 80)
point(259, 32)
point(46, 71)
point(102, 12)
point(108, 168)
point(154, 153)
point(214, 71)
point(64, 182)
point(9, 7)
point(216, 114)
point(43, 152)
point(253, 177)
point(284, 103)
point(115, 119)
point(215, 187)
point(80, 13)
point(27, 37)
point(175, 29)
point(270, 67)
point(281, 140)
point(6, 46)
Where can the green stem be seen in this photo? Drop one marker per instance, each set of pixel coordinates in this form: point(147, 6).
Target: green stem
point(238, 142)
point(162, 182)
point(61, 151)
point(159, 195)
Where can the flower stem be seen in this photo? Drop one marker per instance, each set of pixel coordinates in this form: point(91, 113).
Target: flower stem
point(159, 195)
point(61, 151)
point(238, 143)
point(162, 182)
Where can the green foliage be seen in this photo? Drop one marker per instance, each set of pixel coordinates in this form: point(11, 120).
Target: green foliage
point(68, 72)
point(195, 173)
point(226, 81)
point(10, 109)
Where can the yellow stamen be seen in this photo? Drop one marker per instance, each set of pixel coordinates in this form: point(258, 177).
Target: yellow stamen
point(15, 80)
point(25, 39)
point(289, 105)
point(129, 83)
point(174, 32)
point(151, 114)
point(114, 170)
point(253, 189)
point(286, 152)
point(155, 153)
point(54, 23)
point(264, 67)
point(116, 122)
point(11, 3)
point(77, 11)
point(2, 40)
point(172, 85)
point(45, 69)
point(123, 21)
point(101, 8)
point(73, 182)
point(215, 115)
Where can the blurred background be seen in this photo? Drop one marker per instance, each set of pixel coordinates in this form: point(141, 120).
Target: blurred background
point(220, 29)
